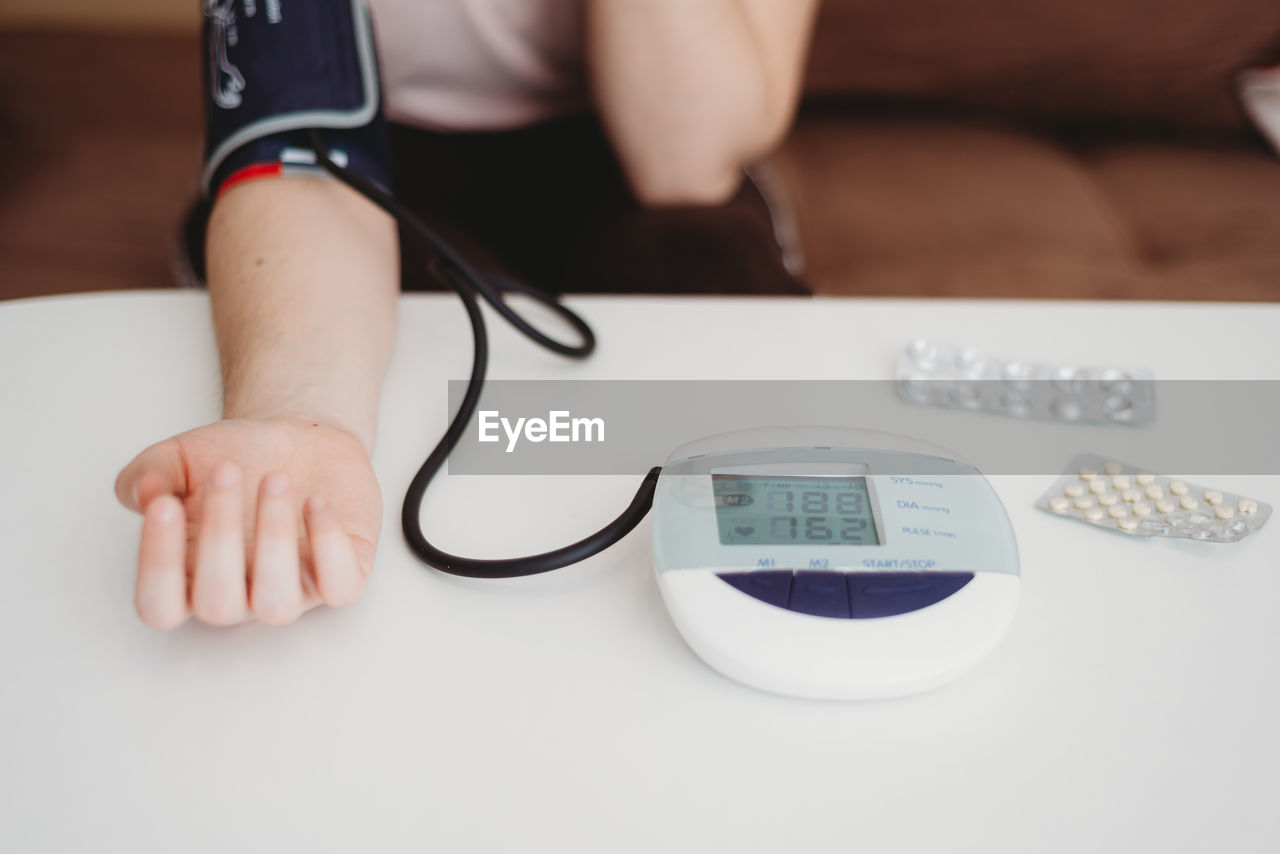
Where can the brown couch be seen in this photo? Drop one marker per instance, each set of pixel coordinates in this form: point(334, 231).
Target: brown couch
point(1044, 148)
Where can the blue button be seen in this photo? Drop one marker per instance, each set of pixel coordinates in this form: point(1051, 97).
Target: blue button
point(773, 587)
point(887, 594)
point(822, 594)
point(858, 595)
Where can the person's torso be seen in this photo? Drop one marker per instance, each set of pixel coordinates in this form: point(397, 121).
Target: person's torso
point(473, 65)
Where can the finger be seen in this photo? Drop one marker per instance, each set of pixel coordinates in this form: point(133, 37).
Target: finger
point(161, 595)
point(332, 554)
point(156, 471)
point(219, 593)
point(276, 583)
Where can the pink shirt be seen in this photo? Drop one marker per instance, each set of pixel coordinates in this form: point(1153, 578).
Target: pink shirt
point(477, 65)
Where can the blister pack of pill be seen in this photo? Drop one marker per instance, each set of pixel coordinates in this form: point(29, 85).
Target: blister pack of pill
point(1131, 500)
point(939, 374)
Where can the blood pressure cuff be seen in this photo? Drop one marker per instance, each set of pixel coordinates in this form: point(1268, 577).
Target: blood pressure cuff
point(275, 71)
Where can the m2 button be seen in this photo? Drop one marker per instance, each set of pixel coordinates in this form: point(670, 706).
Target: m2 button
point(856, 596)
point(822, 594)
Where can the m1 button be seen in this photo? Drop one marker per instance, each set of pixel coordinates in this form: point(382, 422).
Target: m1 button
point(771, 586)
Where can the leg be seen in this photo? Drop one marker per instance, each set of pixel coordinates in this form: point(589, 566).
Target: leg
point(723, 249)
point(550, 204)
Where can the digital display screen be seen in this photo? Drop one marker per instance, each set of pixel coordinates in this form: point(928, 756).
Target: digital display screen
point(761, 510)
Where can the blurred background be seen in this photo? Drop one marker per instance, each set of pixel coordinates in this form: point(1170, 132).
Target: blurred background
point(1039, 149)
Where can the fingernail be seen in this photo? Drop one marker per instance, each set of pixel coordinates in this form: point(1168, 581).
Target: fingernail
point(225, 476)
point(315, 505)
point(276, 483)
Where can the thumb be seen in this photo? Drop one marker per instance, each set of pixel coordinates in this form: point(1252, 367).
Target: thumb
point(157, 471)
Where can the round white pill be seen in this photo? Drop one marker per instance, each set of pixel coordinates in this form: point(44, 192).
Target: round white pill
point(1059, 504)
point(1132, 495)
point(1097, 487)
point(1075, 490)
point(1188, 503)
point(1094, 515)
point(1120, 482)
point(1247, 506)
point(1118, 512)
point(1128, 524)
point(1177, 488)
point(1115, 381)
point(1088, 474)
point(1212, 497)
point(1145, 478)
point(1066, 410)
point(1084, 503)
point(1154, 491)
point(1019, 375)
point(973, 363)
point(1113, 468)
point(923, 351)
point(1165, 506)
point(1117, 407)
point(1108, 500)
point(967, 395)
point(1223, 512)
point(1142, 509)
point(1067, 379)
point(1015, 404)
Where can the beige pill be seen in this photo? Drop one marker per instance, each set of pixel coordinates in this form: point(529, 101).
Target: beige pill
point(1212, 497)
point(1142, 509)
point(1097, 487)
point(1113, 467)
point(1145, 478)
point(1108, 500)
point(1154, 491)
point(1247, 506)
point(1120, 482)
point(1177, 488)
point(1088, 474)
point(1118, 512)
point(1094, 515)
point(1059, 505)
point(1084, 503)
point(1188, 503)
point(1128, 524)
point(1165, 506)
point(1075, 490)
point(1223, 512)
point(1131, 495)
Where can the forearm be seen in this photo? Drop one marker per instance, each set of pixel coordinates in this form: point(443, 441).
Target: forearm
point(304, 280)
point(692, 91)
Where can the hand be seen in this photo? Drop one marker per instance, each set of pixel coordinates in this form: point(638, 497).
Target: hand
point(243, 518)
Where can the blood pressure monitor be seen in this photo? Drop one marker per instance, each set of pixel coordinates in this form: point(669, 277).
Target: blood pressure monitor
point(831, 562)
point(816, 562)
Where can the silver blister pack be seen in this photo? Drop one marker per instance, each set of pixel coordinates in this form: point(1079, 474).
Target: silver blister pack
point(1131, 500)
point(940, 374)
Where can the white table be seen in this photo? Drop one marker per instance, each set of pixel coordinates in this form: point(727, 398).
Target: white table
point(1133, 706)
